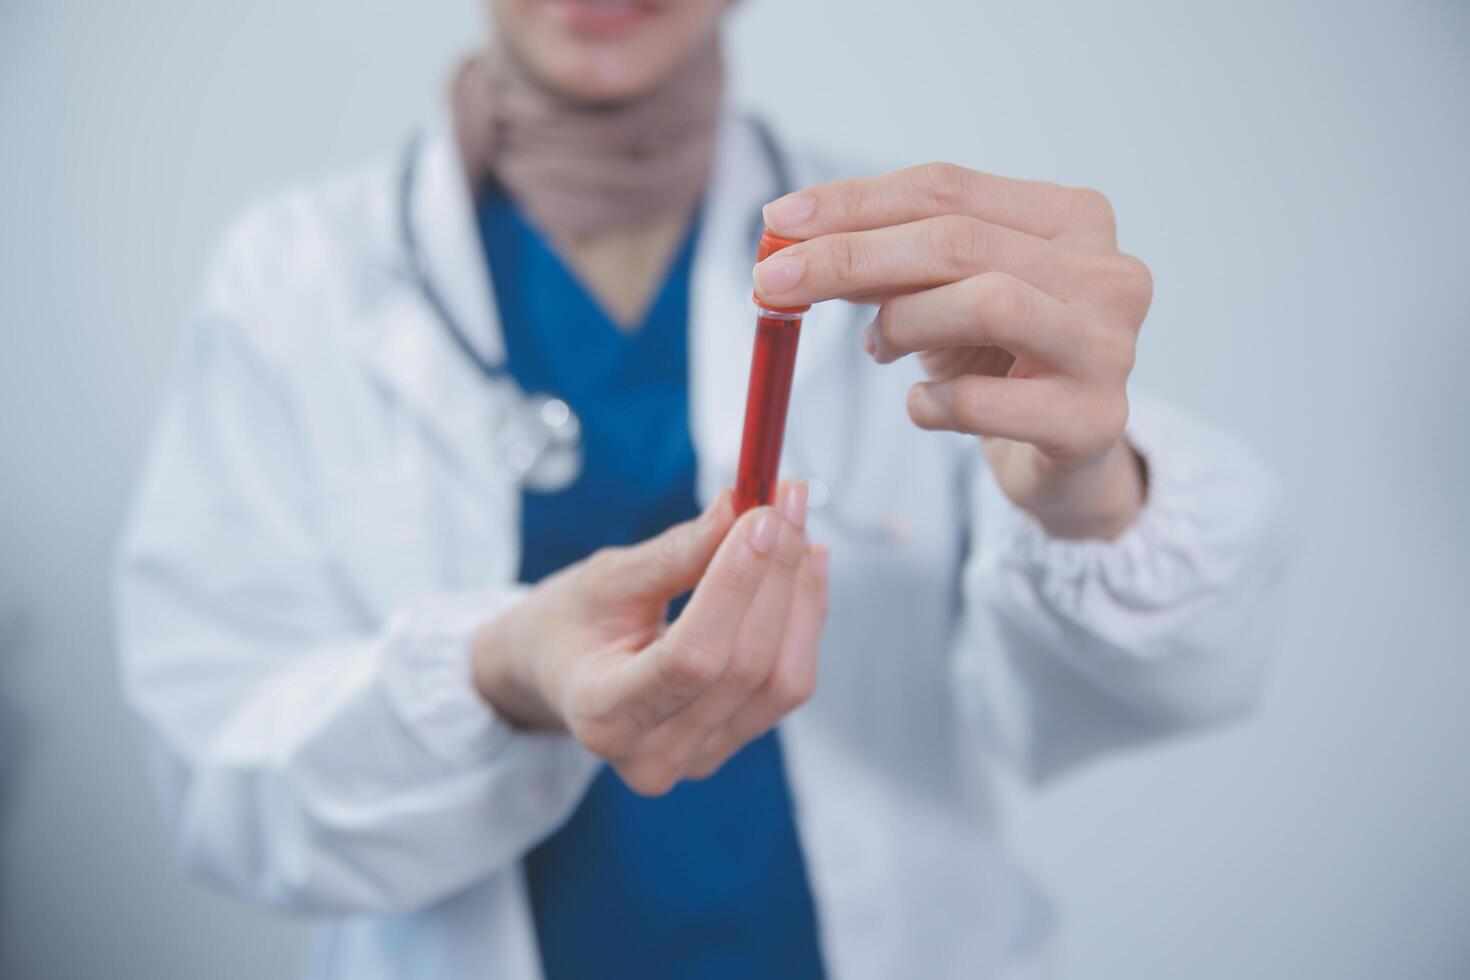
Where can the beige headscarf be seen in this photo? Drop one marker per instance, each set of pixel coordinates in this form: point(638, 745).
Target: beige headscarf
point(582, 169)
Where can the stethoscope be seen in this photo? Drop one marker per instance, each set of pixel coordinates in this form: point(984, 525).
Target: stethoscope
point(539, 438)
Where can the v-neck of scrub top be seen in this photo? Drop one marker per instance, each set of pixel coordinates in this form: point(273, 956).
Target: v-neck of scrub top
point(706, 882)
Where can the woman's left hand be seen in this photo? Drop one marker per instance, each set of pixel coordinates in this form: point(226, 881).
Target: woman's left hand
point(1020, 306)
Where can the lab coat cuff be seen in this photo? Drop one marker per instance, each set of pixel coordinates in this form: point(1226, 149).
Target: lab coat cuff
point(428, 677)
point(1208, 502)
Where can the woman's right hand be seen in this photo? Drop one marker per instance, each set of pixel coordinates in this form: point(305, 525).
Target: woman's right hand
point(589, 650)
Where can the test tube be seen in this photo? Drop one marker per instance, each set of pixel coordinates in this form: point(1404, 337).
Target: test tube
point(777, 332)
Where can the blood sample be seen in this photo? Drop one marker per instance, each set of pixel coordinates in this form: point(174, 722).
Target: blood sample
point(777, 331)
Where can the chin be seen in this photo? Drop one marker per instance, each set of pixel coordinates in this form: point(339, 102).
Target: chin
point(597, 73)
point(606, 50)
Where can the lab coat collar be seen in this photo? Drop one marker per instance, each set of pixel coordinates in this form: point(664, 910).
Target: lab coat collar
point(401, 339)
point(414, 355)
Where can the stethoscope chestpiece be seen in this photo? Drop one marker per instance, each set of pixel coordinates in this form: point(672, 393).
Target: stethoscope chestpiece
point(539, 437)
point(540, 440)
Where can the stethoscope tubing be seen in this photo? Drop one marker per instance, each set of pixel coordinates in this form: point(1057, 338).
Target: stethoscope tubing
point(546, 408)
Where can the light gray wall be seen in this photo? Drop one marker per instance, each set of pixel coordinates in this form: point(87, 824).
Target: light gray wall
point(1294, 173)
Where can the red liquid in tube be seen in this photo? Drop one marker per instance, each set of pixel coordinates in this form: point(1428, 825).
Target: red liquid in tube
point(777, 333)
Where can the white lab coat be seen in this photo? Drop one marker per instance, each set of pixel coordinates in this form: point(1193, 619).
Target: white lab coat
point(322, 523)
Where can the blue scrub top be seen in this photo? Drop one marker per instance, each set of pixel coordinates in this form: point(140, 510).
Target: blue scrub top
point(706, 882)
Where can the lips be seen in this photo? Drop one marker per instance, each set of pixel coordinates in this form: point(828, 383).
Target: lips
point(602, 16)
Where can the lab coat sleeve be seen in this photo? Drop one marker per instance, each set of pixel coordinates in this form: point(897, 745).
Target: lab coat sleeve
point(309, 758)
point(1075, 647)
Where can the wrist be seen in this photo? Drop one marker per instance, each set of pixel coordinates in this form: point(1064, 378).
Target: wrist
point(500, 669)
point(1100, 499)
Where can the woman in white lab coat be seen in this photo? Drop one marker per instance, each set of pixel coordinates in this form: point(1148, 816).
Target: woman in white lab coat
point(358, 702)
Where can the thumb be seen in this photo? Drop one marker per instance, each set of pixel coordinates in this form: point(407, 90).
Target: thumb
point(668, 564)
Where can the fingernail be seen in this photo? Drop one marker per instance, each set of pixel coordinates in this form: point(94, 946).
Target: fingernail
point(779, 273)
point(787, 212)
point(793, 503)
point(763, 533)
point(870, 339)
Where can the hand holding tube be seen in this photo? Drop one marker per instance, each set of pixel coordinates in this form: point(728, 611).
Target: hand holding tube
point(588, 651)
point(1020, 306)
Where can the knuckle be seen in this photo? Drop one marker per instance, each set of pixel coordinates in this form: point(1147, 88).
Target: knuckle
point(705, 768)
point(962, 242)
point(714, 756)
point(596, 724)
point(597, 737)
point(1099, 424)
point(740, 571)
point(668, 549)
point(747, 673)
point(1090, 208)
point(943, 185)
point(1113, 416)
point(603, 562)
point(1072, 441)
point(651, 776)
point(1122, 287)
point(744, 576)
point(813, 589)
point(1137, 285)
point(691, 666)
point(1000, 297)
point(790, 550)
point(848, 257)
point(788, 556)
point(793, 688)
point(1122, 351)
point(820, 599)
point(853, 197)
point(1120, 358)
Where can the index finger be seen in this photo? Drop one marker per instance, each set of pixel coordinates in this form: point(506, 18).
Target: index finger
point(932, 189)
point(695, 651)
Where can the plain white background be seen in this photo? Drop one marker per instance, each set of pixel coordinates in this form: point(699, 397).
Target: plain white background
point(1293, 172)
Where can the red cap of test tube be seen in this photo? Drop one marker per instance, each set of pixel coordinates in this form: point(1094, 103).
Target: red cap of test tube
point(771, 243)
